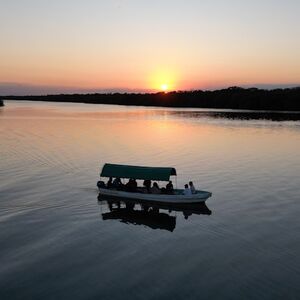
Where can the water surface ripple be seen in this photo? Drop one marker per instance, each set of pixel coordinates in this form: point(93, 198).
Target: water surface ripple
point(59, 242)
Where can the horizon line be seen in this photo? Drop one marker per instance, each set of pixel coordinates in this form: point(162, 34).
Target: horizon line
point(21, 89)
point(154, 92)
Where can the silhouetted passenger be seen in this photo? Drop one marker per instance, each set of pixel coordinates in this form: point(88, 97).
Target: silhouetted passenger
point(186, 190)
point(109, 183)
point(128, 186)
point(131, 185)
point(192, 188)
point(155, 188)
point(170, 188)
point(147, 185)
point(134, 183)
point(117, 183)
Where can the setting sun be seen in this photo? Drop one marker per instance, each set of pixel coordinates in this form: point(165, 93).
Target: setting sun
point(164, 87)
point(163, 79)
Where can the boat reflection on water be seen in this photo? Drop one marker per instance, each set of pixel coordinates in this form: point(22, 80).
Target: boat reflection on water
point(155, 216)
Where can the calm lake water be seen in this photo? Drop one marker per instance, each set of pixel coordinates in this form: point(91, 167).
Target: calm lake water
point(58, 243)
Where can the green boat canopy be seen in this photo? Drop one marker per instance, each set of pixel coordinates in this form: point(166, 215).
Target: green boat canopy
point(137, 172)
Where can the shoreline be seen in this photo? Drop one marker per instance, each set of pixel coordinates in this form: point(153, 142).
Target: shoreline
point(234, 98)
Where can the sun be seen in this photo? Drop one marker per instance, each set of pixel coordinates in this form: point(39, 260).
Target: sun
point(162, 79)
point(164, 87)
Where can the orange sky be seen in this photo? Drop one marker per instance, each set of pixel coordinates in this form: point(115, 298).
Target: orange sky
point(141, 45)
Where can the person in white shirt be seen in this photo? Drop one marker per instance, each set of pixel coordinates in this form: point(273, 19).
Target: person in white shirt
point(193, 190)
point(187, 191)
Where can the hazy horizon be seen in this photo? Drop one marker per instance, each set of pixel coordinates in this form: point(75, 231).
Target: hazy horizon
point(16, 89)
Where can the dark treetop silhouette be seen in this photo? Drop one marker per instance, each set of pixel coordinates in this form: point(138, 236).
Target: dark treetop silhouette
point(232, 98)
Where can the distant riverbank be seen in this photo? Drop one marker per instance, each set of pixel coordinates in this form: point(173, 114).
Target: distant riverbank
point(231, 98)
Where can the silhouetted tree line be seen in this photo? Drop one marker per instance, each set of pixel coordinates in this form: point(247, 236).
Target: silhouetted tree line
point(231, 98)
point(1, 103)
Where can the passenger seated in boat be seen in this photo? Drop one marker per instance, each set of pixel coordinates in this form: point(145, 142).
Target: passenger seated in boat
point(147, 185)
point(155, 188)
point(128, 186)
point(131, 185)
point(109, 183)
point(134, 184)
point(117, 183)
point(192, 188)
point(169, 188)
point(186, 190)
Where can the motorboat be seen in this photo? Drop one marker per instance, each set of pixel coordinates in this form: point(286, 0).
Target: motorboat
point(177, 197)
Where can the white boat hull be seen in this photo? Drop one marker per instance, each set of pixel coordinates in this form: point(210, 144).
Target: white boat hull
point(200, 196)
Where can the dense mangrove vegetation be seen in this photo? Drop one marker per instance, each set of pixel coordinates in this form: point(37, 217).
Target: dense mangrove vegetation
point(232, 98)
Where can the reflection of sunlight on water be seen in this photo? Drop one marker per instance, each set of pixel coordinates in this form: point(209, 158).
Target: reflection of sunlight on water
point(71, 140)
point(92, 111)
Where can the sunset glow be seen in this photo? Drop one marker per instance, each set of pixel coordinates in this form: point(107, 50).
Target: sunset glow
point(164, 79)
point(101, 46)
point(164, 87)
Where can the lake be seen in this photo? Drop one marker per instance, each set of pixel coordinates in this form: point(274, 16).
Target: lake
point(58, 241)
